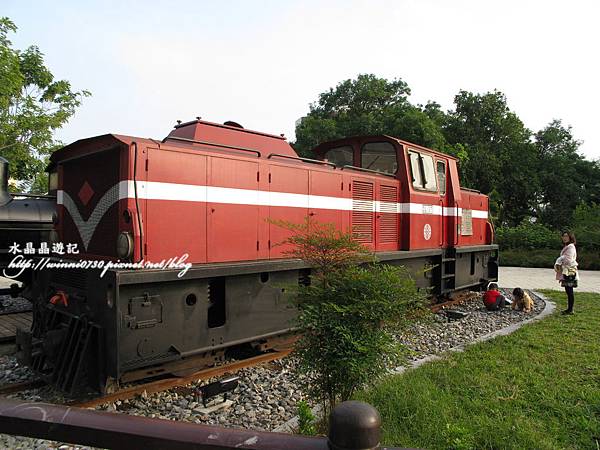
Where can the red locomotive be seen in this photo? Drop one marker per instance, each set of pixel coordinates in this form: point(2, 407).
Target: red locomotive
point(206, 190)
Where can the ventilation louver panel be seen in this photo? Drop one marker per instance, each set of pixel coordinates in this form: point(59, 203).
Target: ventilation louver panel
point(388, 223)
point(362, 211)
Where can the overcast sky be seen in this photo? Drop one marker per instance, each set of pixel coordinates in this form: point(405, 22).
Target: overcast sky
point(149, 63)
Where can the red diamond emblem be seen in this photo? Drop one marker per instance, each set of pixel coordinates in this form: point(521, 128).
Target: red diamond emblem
point(85, 193)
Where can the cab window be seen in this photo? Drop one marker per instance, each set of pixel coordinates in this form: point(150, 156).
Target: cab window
point(415, 168)
point(379, 156)
point(422, 171)
point(429, 172)
point(340, 156)
point(52, 181)
point(441, 174)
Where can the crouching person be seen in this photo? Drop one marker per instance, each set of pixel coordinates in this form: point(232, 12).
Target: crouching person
point(522, 301)
point(493, 299)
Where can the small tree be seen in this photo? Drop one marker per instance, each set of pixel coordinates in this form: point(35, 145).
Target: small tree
point(347, 313)
point(33, 104)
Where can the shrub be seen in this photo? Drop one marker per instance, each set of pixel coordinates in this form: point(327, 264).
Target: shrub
point(545, 257)
point(535, 245)
point(346, 319)
point(347, 312)
point(586, 226)
point(306, 420)
point(527, 235)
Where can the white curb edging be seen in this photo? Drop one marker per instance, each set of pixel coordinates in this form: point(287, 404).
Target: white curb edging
point(291, 426)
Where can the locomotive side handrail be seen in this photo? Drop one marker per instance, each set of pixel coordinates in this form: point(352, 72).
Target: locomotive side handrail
point(457, 226)
point(315, 161)
point(362, 169)
point(194, 141)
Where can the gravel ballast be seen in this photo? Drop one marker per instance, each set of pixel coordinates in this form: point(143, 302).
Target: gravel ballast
point(10, 305)
point(438, 334)
point(268, 394)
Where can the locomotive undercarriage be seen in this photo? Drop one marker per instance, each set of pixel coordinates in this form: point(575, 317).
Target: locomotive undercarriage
point(135, 324)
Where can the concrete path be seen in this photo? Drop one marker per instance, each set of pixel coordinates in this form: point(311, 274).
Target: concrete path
point(530, 278)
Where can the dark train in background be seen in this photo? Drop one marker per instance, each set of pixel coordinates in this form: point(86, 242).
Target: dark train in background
point(206, 191)
point(23, 218)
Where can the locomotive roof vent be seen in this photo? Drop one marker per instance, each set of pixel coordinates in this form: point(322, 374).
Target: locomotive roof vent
point(231, 123)
point(230, 134)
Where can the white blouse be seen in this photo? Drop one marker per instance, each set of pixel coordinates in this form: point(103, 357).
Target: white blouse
point(566, 260)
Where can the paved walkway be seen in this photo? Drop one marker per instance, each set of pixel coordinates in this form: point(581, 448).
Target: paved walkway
point(530, 278)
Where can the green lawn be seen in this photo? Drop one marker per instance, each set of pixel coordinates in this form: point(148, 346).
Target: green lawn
point(538, 388)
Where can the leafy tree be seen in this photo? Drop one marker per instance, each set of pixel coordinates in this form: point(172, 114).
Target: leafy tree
point(500, 154)
point(367, 105)
point(415, 125)
point(527, 175)
point(32, 106)
point(567, 178)
point(586, 225)
point(347, 312)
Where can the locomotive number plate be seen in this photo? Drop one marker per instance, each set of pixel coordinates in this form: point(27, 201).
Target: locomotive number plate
point(467, 222)
point(427, 209)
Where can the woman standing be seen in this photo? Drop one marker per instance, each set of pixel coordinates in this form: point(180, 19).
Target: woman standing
point(566, 268)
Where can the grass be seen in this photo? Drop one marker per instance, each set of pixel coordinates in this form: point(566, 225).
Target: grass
point(538, 388)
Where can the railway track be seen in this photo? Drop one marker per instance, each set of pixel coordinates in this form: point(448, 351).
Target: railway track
point(461, 297)
point(160, 385)
point(152, 387)
point(170, 383)
point(11, 388)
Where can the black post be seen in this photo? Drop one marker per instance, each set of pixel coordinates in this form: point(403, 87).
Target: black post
point(354, 426)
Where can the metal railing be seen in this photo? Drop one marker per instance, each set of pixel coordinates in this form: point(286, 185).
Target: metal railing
point(353, 425)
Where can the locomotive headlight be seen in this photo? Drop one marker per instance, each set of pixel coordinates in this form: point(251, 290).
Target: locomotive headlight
point(124, 245)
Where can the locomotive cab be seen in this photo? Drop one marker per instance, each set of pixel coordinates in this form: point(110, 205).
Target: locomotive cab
point(433, 213)
point(424, 180)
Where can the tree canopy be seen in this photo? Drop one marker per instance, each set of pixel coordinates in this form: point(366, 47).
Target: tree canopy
point(540, 176)
point(33, 104)
point(366, 106)
point(496, 140)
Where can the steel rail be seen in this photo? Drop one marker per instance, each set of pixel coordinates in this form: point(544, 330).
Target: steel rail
point(11, 388)
point(460, 298)
point(163, 385)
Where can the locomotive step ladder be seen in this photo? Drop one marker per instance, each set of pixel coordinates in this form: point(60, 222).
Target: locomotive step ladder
point(447, 271)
